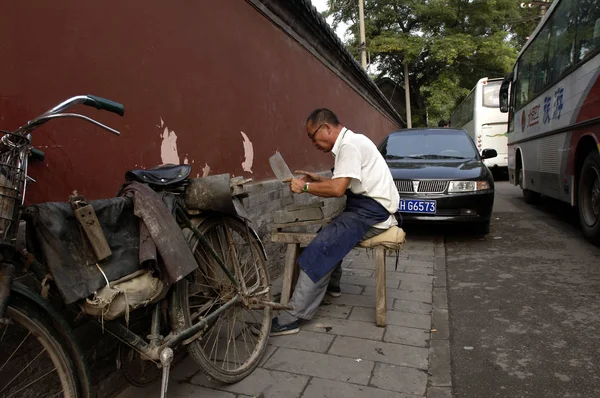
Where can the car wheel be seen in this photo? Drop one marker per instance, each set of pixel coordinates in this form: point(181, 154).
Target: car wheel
point(482, 228)
point(589, 198)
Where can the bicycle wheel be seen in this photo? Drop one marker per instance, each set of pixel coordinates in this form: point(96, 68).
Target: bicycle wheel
point(33, 362)
point(228, 351)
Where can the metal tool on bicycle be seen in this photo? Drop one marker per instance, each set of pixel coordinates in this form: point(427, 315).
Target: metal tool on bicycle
point(209, 308)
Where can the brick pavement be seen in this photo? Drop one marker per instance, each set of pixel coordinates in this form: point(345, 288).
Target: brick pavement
point(341, 353)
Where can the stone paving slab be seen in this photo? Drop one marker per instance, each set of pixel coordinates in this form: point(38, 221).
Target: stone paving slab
point(419, 270)
point(439, 392)
point(321, 365)
point(393, 318)
point(269, 351)
point(406, 336)
point(408, 295)
point(441, 324)
point(334, 311)
point(440, 369)
point(367, 273)
point(379, 351)
point(399, 378)
point(403, 276)
point(414, 307)
point(390, 263)
point(351, 300)
point(363, 281)
point(440, 298)
point(351, 289)
point(345, 327)
point(175, 390)
point(319, 388)
point(262, 382)
point(416, 286)
point(305, 340)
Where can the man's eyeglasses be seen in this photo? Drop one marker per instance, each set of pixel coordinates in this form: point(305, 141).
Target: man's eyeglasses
point(312, 136)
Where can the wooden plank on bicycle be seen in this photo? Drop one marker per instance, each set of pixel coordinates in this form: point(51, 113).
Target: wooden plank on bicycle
point(90, 224)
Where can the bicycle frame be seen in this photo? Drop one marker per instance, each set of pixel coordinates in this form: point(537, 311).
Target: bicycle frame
point(157, 347)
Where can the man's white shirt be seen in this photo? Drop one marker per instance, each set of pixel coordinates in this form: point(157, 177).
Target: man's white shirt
point(357, 158)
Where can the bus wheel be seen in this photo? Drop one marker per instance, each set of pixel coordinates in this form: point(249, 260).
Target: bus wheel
point(589, 197)
point(531, 197)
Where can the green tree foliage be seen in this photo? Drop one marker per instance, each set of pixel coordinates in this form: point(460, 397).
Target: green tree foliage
point(448, 45)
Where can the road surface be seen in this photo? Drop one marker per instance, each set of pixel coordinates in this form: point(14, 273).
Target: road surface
point(524, 304)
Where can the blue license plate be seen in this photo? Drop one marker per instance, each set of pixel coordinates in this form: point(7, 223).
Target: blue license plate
point(417, 206)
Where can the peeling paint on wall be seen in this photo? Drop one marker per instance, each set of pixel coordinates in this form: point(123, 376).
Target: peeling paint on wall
point(168, 148)
point(205, 170)
point(248, 153)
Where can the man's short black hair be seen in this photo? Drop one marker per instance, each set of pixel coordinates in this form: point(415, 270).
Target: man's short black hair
point(442, 123)
point(322, 115)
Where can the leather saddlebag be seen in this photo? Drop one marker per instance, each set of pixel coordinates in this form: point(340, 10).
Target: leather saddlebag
point(124, 295)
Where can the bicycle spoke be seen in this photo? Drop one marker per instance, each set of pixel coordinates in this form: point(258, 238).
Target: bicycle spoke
point(226, 357)
point(33, 382)
point(4, 333)
point(16, 349)
point(22, 370)
point(230, 347)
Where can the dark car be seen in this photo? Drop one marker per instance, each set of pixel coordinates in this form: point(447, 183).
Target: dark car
point(441, 176)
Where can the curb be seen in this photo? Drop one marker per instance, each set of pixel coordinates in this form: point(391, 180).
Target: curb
point(439, 383)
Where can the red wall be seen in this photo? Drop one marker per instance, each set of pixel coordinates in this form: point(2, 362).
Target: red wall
point(207, 69)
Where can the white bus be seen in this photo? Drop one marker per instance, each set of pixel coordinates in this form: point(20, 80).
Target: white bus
point(480, 116)
point(552, 97)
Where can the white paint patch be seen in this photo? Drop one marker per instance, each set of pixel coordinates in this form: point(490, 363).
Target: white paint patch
point(248, 153)
point(205, 169)
point(168, 148)
point(185, 160)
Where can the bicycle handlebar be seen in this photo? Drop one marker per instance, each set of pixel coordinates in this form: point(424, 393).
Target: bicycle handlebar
point(104, 104)
point(36, 154)
point(89, 100)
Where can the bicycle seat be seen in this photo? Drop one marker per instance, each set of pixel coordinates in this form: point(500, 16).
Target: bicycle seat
point(169, 174)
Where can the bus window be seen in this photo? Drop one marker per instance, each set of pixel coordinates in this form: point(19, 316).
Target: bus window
point(588, 32)
point(522, 87)
point(491, 94)
point(539, 63)
point(563, 39)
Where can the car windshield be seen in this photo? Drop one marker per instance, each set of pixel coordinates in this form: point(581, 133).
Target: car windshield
point(440, 144)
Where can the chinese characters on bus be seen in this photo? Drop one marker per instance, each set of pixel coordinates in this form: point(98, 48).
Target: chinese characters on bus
point(557, 104)
point(551, 110)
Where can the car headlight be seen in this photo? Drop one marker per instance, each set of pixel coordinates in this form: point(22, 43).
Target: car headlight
point(467, 186)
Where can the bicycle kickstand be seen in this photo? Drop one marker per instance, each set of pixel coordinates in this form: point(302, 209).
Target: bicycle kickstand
point(166, 357)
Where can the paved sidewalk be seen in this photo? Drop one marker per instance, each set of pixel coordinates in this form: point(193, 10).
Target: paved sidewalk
point(341, 353)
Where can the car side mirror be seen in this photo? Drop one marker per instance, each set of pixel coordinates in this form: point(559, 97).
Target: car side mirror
point(504, 92)
point(489, 153)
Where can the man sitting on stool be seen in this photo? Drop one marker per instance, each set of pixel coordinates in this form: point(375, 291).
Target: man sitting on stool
point(360, 173)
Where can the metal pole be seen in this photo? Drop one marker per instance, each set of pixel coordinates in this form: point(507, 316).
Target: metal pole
point(407, 96)
point(363, 44)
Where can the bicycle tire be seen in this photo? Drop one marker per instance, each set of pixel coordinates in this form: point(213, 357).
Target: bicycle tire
point(182, 314)
point(25, 315)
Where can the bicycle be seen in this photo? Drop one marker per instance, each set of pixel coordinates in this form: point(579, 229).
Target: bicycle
point(229, 287)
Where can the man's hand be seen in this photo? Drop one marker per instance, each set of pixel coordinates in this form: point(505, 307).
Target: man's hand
point(296, 184)
point(308, 176)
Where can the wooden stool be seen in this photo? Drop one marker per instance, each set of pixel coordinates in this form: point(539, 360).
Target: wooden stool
point(392, 239)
